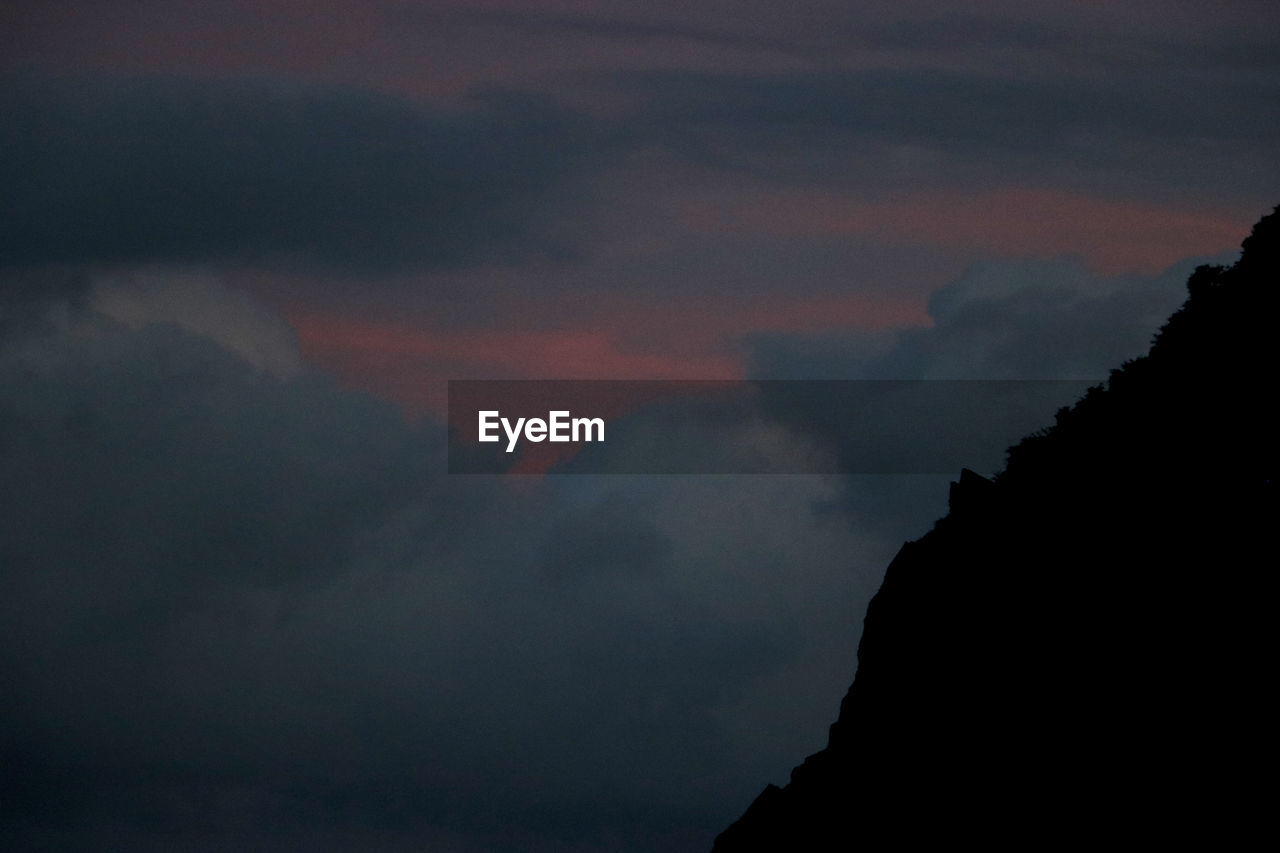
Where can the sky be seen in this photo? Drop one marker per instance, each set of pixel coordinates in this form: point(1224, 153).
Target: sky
point(243, 246)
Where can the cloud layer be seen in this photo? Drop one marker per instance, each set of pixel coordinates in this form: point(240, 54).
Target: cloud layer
point(138, 171)
point(242, 606)
point(251, 609)
point(246, 607)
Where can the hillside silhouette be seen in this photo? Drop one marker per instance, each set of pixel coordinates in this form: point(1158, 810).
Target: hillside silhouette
point(1081, 650)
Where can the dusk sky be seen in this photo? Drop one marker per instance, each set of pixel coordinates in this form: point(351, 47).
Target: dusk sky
point(244, 245)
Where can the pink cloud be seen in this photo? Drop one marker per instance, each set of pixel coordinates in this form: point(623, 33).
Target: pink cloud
point(622, 339)
point(410, 365)
point(1113, 236)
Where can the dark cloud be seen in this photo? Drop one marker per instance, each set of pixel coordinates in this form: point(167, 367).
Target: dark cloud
point(111, 170)
point(615, 536)
point(967, 31)
point(1002, 322)
point(26, 296)
point(245, 609)
point(1132, 130)
point(173, 171)
point(612, 28)
point(1023, 319)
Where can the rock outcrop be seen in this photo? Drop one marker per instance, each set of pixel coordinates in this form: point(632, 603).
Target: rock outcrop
point(1081, 650)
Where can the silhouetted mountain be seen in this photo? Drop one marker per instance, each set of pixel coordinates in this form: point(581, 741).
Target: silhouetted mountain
point(1081, 649)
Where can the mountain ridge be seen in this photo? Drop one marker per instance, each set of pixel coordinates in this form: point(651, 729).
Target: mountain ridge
point(1078, 648)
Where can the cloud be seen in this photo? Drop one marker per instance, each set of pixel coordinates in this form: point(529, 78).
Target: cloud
point(241, 606)
point(1009, 343)
point(998, 324)
point(889, 130)
point(201, 305)
point(177, 171)
point(1000, 319)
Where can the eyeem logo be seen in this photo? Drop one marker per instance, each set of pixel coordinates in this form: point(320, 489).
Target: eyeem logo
point(659, 426)
point(558, 427)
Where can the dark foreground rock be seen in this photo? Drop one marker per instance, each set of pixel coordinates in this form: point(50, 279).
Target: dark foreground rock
point(1082, 649)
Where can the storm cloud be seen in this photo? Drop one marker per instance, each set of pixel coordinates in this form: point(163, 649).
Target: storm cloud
point(242, 245)
point(187, 171)
point(250, 608)
point(182, 171)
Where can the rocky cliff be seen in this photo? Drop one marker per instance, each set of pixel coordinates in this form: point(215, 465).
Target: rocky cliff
point(1081, 649)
